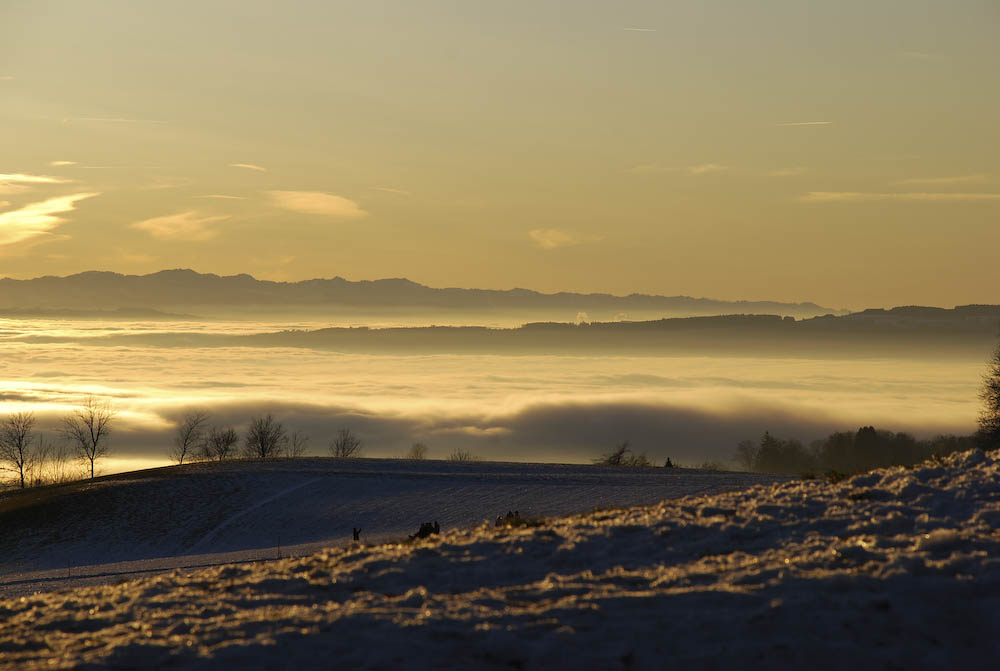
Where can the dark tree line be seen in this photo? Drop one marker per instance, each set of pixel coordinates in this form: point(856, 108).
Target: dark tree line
point(845, 452)
point(265, 438)
point(869, 448)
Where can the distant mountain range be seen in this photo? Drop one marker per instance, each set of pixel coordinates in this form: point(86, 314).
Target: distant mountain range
point(189, 291)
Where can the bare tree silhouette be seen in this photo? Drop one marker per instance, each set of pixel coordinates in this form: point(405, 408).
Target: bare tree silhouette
point(189, 435)
point(219, 444)
point(346, 444)
point(296, 445)
point(417, 451)
point(461, 455)
point(746, 454)
point(265, 438)
point(87, 429)
point(17, 450)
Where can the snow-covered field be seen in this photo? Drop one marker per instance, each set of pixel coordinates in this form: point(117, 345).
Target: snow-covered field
point(893, 569)
point(205, 514)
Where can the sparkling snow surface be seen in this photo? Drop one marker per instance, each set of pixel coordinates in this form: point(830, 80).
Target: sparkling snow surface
point(895, 569)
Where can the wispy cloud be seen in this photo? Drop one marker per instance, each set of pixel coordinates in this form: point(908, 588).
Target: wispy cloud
point(6, 78)
point(387, 189)
point(127, 256)
point(707, 168)
point(222, 196)
point(31, 179)
point(248, 166)
point(553, 238)
point(59, 164)
point(160, 183)
point(649, 169)
point(787, 172)
point(317, 202)
point(640, 30)
point(37, 219)
point(804, 123)
point(943, 181)
point(20, 182)
point(657, 168)
point(862, 197)
point(189, 226)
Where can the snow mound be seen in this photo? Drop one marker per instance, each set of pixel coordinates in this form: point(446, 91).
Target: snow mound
point(896, 568)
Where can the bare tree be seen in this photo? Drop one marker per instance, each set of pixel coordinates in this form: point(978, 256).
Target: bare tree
point(219, 444)
point(616, 457)
point(296, 445)
point(17, 452)
point(417, 451)
point(746, 454)
point(461, 455)
point(620, 457)
point(346, 444)
point(265, 438)
point(189, 435)
point(54, 463)
point(87, 429)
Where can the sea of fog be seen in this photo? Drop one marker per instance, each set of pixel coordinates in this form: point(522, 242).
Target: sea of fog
point(538, 408)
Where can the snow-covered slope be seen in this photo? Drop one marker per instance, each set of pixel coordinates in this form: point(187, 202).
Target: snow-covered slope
point(896, 569)
point(202, 514)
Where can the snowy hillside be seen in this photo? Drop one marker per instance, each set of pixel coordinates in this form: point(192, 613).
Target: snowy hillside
point(895, 569)
point(202, 514)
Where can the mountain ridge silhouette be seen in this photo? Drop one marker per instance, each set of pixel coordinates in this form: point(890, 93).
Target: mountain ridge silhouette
point(182, 287)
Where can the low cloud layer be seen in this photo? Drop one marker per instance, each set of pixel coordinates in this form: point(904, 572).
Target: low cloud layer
point(547, 432)
point(537, 408)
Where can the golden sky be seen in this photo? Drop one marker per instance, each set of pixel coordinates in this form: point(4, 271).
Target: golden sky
point(840, 152)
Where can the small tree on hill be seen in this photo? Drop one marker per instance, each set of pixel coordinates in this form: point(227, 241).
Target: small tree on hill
point(296, 445)
point(17, 444)
point(988, 435)
point(346, 444)
point(219, 444)
point(461, 455)
point(620, 456)
point(54, 463)
point(616, 456)
point(417, 451)
point(189, 435)
point(87, 430)
point(265, 438)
